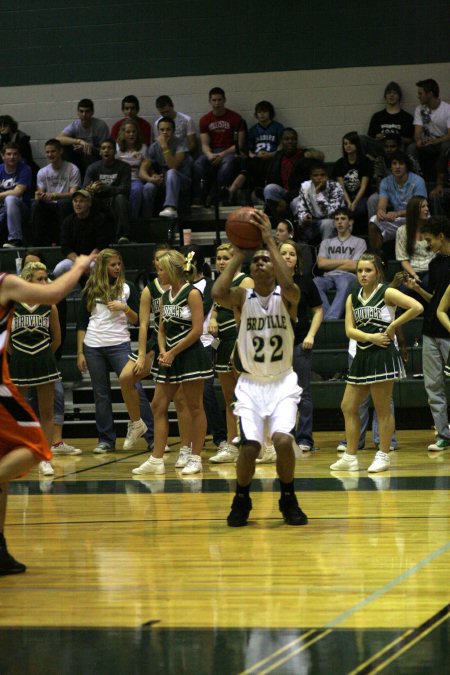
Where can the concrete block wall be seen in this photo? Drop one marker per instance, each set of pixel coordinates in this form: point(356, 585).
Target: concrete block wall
point(320, 104)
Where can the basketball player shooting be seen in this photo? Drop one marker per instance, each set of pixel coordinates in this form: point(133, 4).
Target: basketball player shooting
point(267, 390)
point(22, 442)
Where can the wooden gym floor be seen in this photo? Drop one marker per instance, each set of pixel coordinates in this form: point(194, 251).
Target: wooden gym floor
point(134, 576)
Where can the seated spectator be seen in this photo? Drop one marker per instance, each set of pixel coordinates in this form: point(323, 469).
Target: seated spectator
point(15, 187)
point(338, 258)
point(431, 128)
point(316, 205)
point(109, 181)
point(354, 171)
point(395, 192)
point(10, 133)
point(263, 142)
point(52, 202)
point(285, 233)
point(392, 120)
point(184, 125)
point(84, 230)
point(222, 134)
point(131, 149)
point(381, 168)
point(82, 137)
point(130, 109)
point(440, 195)
point(166, 171)
point(285, 174)
point(411, 249)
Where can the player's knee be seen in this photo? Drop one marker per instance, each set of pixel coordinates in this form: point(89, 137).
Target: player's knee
point(282, 443)
point(250, 449)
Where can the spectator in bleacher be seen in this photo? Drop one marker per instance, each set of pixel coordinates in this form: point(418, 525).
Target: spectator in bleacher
point(10, 133)
point(392, 120)
point(222, 136)
point(109, 304)
point(184, 125)
point(285, 232)
point(436, 340)
point(338, 258)
point(82, 137)
point(309, 318)
point(354, 171)
point(131, 149)
point(440, 194)
point(285, 174)
point(52, 202)
point(130, 109)
point(166, 171)
point(263, 141)
point(381, 169)
point(411, 248)
point(316, 205)
point(109, 181)
point(431, 128)
point(395, 192)
point(84, 230)
point(15, 187)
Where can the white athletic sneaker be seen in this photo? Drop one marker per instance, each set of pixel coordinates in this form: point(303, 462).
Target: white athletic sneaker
point(46, 469)
point(135, 431)
point(229, 453)
point(64, 448)
point(342, 446)
point(268, 455)
point(151, 465)
point(305, 448)
point(193, 465)
point(381, 462)
point(183, 457)
point(101, 448)
point(168, 212)
point(346, 463)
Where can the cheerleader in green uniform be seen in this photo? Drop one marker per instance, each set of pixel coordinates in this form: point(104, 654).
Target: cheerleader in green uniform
point(182, 362)
point(140, 363)
point(442, 315)
point(35, 336)
point(222, 325)
point(370, 320)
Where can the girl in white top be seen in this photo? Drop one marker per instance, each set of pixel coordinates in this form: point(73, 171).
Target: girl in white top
point(411, 249)
point(107, 305)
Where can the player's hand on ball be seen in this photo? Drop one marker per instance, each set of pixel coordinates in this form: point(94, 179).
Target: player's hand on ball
point(262, 222)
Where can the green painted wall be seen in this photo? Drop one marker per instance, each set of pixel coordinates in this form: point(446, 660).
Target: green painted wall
point(53, 41)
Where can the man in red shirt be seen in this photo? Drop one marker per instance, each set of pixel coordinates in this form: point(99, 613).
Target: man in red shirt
point(220, 131)
point(130, 109)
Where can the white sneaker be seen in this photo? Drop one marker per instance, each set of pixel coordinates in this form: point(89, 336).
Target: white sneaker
point(167, 448)
point(169, 212)
point(381, 462)
point(46, 469)
point(342, 446)
point(193, 465)
point(135, 431)
point(183, 457)
point(151, 465)
point(305, 448)
point(64, 448)
point(101, 448)
point(229, 453)
point(346, 463)
point(268, 455)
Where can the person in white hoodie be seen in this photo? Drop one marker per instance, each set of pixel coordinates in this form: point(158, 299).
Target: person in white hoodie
point(316, 204)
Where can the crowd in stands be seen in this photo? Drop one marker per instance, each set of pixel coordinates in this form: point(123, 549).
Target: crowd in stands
point(99, 181)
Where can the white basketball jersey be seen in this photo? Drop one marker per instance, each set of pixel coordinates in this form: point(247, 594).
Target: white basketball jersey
point(265, 341)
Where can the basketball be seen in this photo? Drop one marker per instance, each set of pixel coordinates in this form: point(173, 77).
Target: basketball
point(240, 231)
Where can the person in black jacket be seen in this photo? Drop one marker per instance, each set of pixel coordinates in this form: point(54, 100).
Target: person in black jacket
point(10, 133)
point(288, 169)
point(85, 230)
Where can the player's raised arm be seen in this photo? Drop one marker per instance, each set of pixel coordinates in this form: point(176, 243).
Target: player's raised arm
point(16, 289)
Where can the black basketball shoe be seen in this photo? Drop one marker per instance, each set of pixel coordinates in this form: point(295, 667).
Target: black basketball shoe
point(292, 513)
point(240, 508)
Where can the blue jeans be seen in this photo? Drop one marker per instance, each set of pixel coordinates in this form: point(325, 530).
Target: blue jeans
point(302, 366)
point(434, 357)
point(175, 182)
point(342, 282)
point(99, 362)
point(225, 172)
point(215, 417)
point(14, 211)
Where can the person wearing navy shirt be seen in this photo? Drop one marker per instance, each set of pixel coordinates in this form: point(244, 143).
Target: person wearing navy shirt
point(15, 187)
